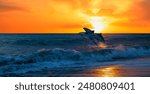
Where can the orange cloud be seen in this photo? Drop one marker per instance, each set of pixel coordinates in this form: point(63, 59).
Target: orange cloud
point(53, 16)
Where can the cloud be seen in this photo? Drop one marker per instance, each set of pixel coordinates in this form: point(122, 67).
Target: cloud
point(7, 6)
point(62, 14)
point(138, 15)
point(145, 5)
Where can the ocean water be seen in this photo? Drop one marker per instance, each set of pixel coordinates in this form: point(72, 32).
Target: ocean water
point(70, 55)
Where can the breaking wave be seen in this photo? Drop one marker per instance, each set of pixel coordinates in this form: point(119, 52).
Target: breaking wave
point(59, 54)
point(53, 58)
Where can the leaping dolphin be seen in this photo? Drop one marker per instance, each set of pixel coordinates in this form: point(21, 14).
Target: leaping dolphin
point(95, 38)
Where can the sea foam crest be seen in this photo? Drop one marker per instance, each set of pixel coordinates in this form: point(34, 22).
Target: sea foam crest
point(59, 54)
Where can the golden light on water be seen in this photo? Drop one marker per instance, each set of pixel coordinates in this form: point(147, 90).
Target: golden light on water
point(97, 23)
point(102, 45)
point(110, 71)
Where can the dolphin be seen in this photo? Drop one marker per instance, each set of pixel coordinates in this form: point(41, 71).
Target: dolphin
point(92, 36)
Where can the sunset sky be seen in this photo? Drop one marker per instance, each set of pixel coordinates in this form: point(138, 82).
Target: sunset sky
point(70, 16)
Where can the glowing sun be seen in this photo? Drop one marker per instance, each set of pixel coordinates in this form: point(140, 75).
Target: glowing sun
point(98, 24)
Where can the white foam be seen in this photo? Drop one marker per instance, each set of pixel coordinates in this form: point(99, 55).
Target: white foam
point(60, 58)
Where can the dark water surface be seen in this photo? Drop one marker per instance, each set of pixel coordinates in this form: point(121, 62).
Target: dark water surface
point(71, 55)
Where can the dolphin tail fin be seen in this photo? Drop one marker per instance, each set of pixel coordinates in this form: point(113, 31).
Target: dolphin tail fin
point(102, 38)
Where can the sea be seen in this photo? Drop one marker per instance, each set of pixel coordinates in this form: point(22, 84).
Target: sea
point(71, 55)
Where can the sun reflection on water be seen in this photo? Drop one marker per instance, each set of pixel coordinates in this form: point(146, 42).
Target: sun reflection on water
point(110, 71)
point(102, 45)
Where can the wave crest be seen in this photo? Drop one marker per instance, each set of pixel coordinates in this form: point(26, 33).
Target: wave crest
point(59, 54)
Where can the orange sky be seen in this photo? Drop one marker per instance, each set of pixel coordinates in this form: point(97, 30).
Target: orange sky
point(69, 16)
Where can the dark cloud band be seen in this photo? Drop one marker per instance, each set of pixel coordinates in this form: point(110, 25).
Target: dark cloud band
point(5, 6)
